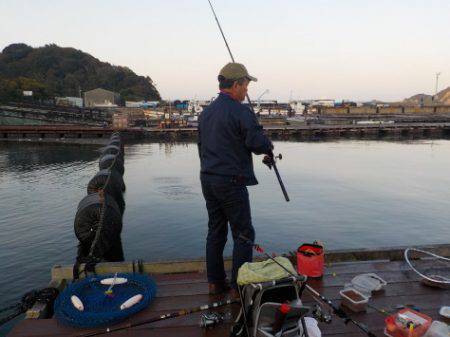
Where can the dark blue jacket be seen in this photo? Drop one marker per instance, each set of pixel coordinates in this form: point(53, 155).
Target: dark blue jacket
point(228, 134)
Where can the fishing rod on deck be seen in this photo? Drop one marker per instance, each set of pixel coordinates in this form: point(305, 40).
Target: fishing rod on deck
point(272, 162)
point(336, 310)
point(183, 312)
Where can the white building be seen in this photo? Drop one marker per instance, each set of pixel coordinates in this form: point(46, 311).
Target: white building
point(141, 104)
point(69, 101)
point(195, 107)
point(323, 102)
point(297, 106)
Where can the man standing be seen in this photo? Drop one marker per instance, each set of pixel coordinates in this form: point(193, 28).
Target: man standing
point(228, 134)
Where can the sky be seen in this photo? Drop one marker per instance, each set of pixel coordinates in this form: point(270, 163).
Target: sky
point(341, 49)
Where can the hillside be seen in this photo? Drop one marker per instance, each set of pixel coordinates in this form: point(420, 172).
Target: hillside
point(55, 71)
point(442, 97)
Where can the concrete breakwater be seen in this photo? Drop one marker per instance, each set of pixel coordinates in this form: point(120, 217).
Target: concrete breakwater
point(344, 115)
point(388, 110)
point(98, 135)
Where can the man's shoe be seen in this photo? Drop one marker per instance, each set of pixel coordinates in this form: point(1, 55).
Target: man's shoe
point(216, 288)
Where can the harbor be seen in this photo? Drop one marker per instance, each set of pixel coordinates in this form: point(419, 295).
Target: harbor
point(162, 174)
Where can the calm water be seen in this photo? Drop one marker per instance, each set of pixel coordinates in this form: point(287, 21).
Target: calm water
point(349, 194)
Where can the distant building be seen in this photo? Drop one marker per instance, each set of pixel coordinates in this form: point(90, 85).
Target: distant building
point(323, 102)
point(101, 98)
point(141, 104)
point(194, 107)
point(69, 101)
point(120, 121)
point(297, 106)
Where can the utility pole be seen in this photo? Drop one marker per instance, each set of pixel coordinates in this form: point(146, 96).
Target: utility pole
point(437, 82)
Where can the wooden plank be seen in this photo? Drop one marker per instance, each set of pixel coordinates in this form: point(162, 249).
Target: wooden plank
point(394, 289)
point(374, 266)
point(47, 328)
point(392, 253)
point(394, 294)
point(186, 326)
point(392, 277)
point(373, 319)
point(180, 302)
point(388, 276)
point(65, 272)
point(336, 269)
point(185, 290)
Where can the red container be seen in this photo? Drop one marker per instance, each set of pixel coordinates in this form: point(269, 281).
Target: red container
point(310, 260)
point(397, 325)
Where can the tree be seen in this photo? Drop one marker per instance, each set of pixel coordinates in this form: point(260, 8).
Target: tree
point(64, 71)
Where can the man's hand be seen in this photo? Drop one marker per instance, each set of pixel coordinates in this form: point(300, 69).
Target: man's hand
point(268, 160)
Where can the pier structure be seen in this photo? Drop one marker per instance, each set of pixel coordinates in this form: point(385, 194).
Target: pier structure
point(385, 110)
point(57, 114)
point(79, 133)
point(183, 284)
point(96, 116)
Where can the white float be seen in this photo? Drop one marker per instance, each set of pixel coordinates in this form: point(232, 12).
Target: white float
point(77, 303)
point(131, 301)
point(113, 280)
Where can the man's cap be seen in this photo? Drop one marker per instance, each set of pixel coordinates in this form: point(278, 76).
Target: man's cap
point(236, 71)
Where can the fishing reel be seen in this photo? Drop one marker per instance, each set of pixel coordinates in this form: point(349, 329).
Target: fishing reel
point(269, 161)
point(211, 320)
point(320, 315)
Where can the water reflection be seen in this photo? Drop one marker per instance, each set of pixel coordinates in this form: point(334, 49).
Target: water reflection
point(168, 147)
point(23, 157)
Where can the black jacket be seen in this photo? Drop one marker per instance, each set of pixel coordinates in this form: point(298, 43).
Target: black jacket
point(228, 133)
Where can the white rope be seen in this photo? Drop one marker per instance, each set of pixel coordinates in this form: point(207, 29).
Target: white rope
point(444, 280)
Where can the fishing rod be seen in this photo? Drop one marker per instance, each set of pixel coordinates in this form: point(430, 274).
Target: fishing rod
point(272, 163)
point(275, 168)
point(163, 317)
point(336, 310)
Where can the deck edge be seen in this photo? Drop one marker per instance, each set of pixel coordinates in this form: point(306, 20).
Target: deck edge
point(59, 272)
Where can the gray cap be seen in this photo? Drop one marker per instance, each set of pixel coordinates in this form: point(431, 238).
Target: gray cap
point(235, 71)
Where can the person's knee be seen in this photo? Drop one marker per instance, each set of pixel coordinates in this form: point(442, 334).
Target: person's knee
point(244, 235)
point(251, 233)
point(217, 239)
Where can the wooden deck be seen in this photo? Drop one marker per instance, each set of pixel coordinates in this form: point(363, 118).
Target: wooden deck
point(184, 290)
